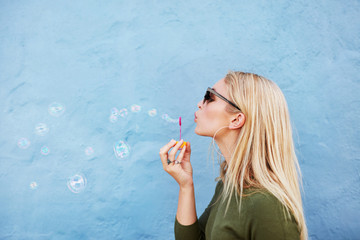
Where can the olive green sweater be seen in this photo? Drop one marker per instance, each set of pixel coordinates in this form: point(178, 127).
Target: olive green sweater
point(262, 216)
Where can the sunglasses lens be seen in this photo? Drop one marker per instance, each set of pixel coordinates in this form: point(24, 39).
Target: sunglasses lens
point(207, 96)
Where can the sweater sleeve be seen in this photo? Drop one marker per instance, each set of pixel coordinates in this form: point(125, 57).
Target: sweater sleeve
point(188, 232)
point(196, 230)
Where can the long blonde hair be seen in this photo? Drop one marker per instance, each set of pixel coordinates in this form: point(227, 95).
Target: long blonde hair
point(264, 155)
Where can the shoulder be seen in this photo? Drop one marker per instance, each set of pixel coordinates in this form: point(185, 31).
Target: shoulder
point(262, 204)
point(267, 215)
point(262, 201)
point(219, 186)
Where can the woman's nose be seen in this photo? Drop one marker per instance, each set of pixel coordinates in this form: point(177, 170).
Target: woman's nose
point(199, 105)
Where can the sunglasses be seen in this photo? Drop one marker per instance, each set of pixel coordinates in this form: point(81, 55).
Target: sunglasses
point(208, 97)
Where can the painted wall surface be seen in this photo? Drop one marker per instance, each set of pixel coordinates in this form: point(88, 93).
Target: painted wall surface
point(90, 91)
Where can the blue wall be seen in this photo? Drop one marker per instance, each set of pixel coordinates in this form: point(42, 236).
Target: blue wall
point(74, 66)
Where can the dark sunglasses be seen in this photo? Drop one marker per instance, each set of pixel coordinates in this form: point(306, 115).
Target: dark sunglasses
point(210, 91)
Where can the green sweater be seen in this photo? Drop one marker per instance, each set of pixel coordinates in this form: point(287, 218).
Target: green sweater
point(262, 217)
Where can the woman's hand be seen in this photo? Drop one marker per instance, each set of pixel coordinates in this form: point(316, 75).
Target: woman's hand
point(180, 168)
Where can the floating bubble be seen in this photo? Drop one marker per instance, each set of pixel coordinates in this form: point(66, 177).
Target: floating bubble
point(152, 112)
point(113, 118)
point(165, 116)
point(23, 143)
point(41, 129)
point(89, 151)
point(56, 109)
point(168, 119)
point(123, 112)
point(45, 150)
point(76, 183)
point(121, 149)
point(33, 185)
point(114, 111)
point(135, 108)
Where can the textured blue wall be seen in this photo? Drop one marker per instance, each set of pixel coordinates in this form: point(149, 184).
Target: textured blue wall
point(74, 66)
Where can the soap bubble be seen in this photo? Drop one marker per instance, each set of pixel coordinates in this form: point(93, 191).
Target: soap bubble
point(45, 150)
point(33, 185)
point(121, 149)
point(152, 112)
point(56, 109)
point(168, 119)
point(113, 118)
point(123, 112)
point(41, 129)
point(165, 116)
point(23, 143)
point(76, 183)
point(135, 108)
point(89, 151)
point(114, 111)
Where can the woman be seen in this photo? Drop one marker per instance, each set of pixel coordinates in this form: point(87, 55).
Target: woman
point(257, 195)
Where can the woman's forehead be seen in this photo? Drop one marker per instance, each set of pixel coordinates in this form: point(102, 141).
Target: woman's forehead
point(221, 87)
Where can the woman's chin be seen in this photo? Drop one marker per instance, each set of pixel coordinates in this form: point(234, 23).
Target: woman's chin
point(198, 132)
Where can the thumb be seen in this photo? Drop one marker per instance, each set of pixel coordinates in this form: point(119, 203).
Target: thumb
point(187, 151)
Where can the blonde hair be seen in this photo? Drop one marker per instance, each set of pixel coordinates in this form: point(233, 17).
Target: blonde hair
point(264, 155)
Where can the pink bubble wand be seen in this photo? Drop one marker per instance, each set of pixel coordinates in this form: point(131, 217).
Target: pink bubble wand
point(184, 143)
point(180, 127)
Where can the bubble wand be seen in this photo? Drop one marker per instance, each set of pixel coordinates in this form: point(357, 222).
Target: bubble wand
point(184, 143)
point(180, 127)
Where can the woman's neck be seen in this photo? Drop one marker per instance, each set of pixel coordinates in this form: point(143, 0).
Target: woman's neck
point(227, 143)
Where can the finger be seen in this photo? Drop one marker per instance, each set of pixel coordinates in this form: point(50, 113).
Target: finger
point(167, 146)
point(164, 151)
point(174, 150)
point(187, 152)
point(181, 154)
point(188, 146)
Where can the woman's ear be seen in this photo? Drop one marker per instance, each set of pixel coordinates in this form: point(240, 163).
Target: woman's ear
point(237, 121)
